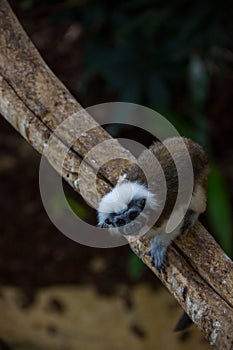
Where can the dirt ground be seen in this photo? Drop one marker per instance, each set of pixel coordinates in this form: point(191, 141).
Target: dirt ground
point(76, 317)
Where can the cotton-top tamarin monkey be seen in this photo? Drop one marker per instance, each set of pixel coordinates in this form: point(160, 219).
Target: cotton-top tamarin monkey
point(129, 207)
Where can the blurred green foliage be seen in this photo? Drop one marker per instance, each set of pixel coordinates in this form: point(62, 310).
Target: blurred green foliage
point(219, 209)
point(161, 54)
point(145, 50)
point(77, 208)
point(135, 267)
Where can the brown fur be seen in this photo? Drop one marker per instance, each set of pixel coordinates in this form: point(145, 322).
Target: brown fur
point(159, 150)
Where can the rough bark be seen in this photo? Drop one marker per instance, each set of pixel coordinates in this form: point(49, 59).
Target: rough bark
point(35, 102)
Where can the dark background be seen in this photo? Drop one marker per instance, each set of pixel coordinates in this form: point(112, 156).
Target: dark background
point(175, 57)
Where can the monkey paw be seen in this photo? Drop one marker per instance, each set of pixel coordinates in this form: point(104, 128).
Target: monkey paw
point(158, 257)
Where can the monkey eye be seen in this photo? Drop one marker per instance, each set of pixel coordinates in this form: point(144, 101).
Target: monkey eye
point(107, 221)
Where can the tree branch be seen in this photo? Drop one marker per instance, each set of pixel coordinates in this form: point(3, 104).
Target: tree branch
point(35, 102)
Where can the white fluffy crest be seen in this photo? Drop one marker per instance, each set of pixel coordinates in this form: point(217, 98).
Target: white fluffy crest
point(121, 195)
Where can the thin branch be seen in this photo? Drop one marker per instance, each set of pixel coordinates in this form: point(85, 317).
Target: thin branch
point(35, 102)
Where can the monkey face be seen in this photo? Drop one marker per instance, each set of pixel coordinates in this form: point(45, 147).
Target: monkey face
point(126, 216)
point(121, 208)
